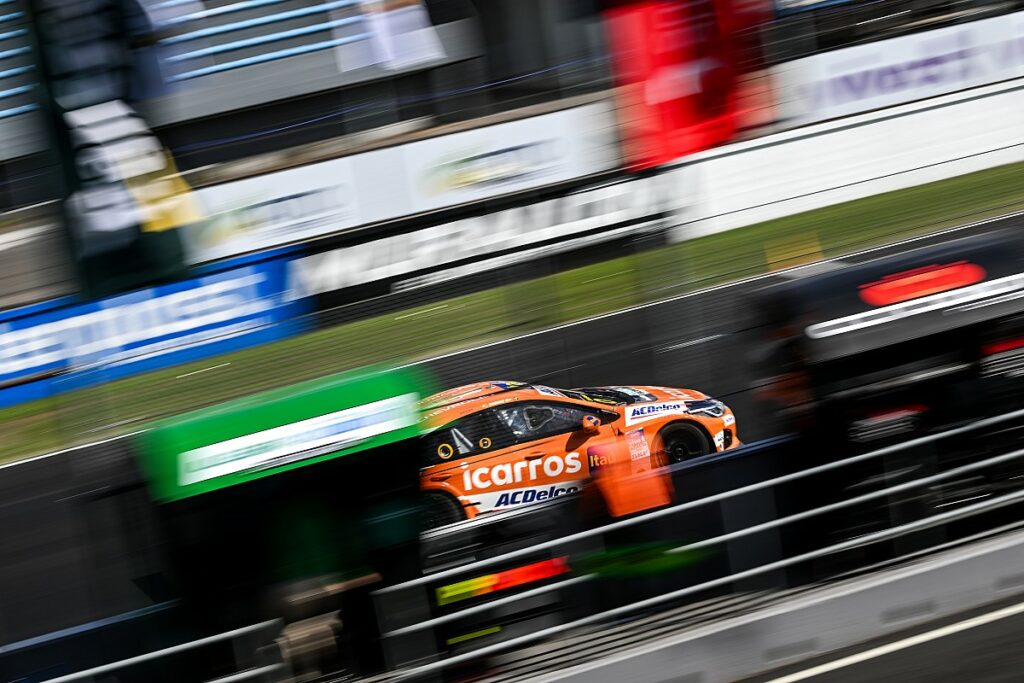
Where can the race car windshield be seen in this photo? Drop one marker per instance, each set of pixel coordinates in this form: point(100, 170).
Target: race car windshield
point(533, 421)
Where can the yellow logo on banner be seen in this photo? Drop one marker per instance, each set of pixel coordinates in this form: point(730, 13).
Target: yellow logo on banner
point(165, 200)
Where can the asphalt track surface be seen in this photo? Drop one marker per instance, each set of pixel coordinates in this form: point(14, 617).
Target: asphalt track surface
point(986, 646)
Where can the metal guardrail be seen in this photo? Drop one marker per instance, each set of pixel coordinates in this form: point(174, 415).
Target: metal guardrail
point(783, 563)
point(675, 509)
point(882, 535)
point(106, 669)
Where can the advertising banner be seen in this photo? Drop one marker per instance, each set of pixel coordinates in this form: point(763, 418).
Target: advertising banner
point(484, 243)
point(280, 430)
point(319, 199)
point(509, 157)
point(899, 70)
point(268, 210)
point(58, 350)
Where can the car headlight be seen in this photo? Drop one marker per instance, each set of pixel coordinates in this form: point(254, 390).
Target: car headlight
point(708, 406)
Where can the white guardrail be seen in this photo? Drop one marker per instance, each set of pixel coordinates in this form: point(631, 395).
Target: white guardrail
point(885, 534)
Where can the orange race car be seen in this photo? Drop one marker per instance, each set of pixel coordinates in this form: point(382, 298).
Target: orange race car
point(496, 445)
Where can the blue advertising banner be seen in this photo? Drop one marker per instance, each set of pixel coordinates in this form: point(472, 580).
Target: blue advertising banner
point(58, 350)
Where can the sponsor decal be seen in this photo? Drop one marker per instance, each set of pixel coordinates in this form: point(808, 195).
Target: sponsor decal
point(547, 391)
point(639, 452)
point(720, 439)
point(728, 419)
point(652, 411)
point(527, 496)
point(486, 476)
point(597, 458)
point(500, 401)
point(297, 441)
point(638, 448)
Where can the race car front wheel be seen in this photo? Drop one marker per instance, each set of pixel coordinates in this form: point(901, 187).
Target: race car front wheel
point(682, 441)
point(439, 510)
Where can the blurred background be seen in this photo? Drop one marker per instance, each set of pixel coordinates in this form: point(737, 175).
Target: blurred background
point(200, 201)
point(432, 176)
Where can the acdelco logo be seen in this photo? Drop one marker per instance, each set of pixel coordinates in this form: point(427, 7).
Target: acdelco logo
point(651, 410)
point(533, 496)
point(525, 470)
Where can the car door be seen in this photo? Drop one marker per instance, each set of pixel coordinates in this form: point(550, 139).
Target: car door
point(549, 458)
point(459, 457)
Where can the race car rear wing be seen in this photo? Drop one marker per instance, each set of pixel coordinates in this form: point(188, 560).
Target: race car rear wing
point(849, 309)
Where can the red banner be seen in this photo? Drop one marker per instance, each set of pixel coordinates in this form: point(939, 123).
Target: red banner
point(676, 67)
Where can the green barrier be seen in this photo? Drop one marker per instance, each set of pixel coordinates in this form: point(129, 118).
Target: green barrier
point(280, 430)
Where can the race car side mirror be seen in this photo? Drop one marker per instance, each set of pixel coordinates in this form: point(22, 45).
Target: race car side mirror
point(591, 425)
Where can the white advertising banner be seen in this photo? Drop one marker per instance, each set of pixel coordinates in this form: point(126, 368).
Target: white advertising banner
point(490, 241)
point(269, 210)
point(319, 199)
point(510, 157)
point(900, 70)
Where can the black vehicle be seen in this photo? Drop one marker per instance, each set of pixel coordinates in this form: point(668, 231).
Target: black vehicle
point(857, 357)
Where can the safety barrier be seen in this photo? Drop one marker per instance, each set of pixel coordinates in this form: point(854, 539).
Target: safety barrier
point(234, 634)
point(392, 608)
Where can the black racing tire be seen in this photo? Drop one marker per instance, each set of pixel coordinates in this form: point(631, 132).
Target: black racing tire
point(440, 509)
point(682, 441)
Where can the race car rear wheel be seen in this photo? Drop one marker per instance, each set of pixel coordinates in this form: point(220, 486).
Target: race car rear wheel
point(439, 510)
point(682, 441)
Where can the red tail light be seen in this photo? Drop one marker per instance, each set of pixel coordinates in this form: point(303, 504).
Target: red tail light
point(1001, 346)
point(913, 284)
